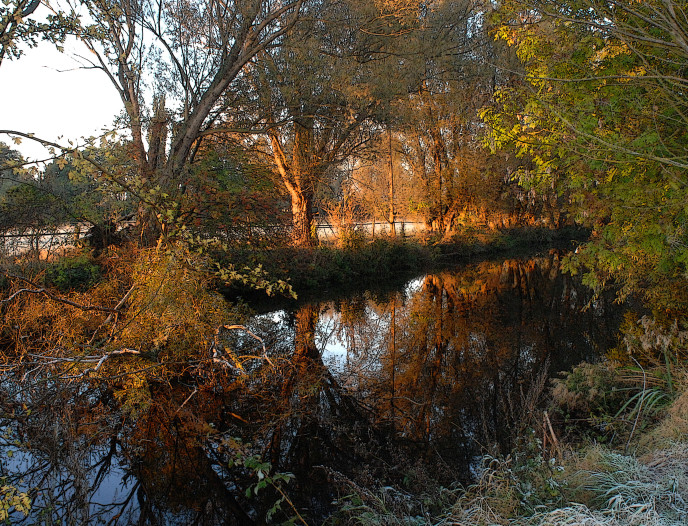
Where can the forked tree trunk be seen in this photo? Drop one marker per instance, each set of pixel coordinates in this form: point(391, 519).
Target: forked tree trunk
point(299, 173)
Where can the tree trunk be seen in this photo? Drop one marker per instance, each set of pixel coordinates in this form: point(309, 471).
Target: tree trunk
point(392, 215)
point(302, 219)
point(299, 175)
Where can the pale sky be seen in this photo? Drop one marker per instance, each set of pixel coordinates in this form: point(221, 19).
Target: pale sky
point(43, 93)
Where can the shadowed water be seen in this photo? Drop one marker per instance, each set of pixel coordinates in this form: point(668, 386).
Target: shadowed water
point(380, 388)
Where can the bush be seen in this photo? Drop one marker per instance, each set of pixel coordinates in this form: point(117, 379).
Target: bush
point(590, 390)
point(352, 239)
point(79, 273)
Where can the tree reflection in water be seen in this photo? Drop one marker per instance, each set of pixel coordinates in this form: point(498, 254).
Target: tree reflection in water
point(459, 361)
point(360, 391)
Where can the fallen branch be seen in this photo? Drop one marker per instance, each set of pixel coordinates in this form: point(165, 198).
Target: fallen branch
point(99, 360)
point(185, 401)
point(216, 352)
point(52, 296)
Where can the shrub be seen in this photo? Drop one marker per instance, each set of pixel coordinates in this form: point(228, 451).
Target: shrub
point(590, 390)
point(352, 239)
point(73, 273)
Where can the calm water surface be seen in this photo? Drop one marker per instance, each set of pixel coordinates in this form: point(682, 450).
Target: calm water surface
point(378, 388)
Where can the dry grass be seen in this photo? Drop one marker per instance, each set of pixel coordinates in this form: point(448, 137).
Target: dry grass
point(603, 488)
point(673, 428)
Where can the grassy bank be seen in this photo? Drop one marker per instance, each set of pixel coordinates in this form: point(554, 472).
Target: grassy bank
point(327, 269)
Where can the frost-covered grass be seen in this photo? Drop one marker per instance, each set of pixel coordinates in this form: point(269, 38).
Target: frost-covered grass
point(597, 487)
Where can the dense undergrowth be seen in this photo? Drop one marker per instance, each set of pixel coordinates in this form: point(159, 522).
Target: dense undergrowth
point(329, 268)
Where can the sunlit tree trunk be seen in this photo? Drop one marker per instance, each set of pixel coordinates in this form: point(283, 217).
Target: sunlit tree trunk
point(302, 219)
point(299, 178)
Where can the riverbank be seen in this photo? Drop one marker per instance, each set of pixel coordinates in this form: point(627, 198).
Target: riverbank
point(326, 269)
point(465, 351)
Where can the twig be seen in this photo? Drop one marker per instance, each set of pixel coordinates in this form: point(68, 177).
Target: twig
point(121, 303)
point(640, 407)
point(291, 504)
point(109, 318)
point(243, 328)
point(187, 399)
point(98, 360)
point(555, 442)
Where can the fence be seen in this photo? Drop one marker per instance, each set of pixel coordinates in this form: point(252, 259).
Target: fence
point(329, 233)
point(46, 243)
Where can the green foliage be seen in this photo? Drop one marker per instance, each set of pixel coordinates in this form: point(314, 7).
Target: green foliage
point(17, 31)
point(649, 401)
point(388, 506)
point(231, 194)
point(266, 478)
point(72, 273)
point(30, 206)
point(591, 400)
point(589, 389)
point(88, 194)
point(606, 402)
point(212, 256)
point(12, 168)
point(600, 116)
point(33, 203)
point(327, 267)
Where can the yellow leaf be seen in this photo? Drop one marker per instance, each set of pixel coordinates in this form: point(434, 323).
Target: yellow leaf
point(17, 140)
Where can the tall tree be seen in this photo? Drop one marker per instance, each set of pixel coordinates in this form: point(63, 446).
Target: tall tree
point(192, 52)
point(321, 95)
point(438, 124)
point(314, 97)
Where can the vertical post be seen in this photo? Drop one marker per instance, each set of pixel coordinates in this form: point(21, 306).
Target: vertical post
point(394, 354)
point(441, 210)
point(392, 216)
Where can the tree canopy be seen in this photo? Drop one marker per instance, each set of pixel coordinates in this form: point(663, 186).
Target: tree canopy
point(20, 25)
point(600, 113)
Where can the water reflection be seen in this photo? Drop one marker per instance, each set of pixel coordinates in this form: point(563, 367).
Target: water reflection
point(82, 462)
point(450, 361)
point(360, 391)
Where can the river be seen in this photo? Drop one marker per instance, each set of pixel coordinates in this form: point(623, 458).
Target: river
point(399, 388)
